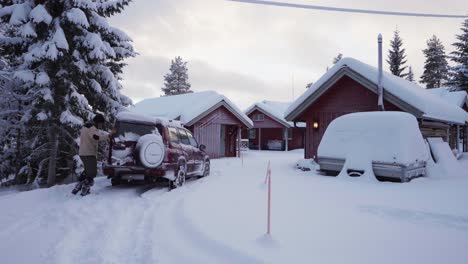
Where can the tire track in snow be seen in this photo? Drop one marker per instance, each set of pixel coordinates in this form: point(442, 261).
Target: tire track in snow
point(143, 247)
point(99, 227)
point(182, 242)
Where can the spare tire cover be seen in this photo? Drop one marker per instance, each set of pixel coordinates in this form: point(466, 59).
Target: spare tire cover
point(151, 150)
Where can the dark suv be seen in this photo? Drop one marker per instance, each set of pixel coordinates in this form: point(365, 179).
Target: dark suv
point(150, 148)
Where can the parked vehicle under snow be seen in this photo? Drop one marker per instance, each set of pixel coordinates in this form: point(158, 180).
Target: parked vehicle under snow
point(382, 144)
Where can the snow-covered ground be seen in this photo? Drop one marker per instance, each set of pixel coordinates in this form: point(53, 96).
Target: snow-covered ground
point(222, 219)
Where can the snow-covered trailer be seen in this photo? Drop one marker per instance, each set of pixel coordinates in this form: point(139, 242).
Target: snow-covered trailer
point(388, 143)
point(271, 131)
point(351, 86)
point(215, 121)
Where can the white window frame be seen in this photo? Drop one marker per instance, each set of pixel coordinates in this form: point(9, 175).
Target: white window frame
point(258, 117)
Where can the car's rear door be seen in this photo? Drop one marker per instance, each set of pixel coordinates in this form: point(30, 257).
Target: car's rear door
point(197, 154)
point(187, 148)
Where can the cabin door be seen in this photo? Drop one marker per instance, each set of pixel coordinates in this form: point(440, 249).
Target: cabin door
point(222, 145)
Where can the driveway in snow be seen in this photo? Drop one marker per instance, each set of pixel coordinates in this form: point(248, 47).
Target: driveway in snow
point(221, 219)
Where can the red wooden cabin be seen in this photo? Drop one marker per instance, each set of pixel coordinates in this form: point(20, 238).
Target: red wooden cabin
point(351, 86)
point(270, 130)
point(213, 119)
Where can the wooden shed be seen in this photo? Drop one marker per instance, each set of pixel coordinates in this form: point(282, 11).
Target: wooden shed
point(213, 119)
point(351, 86)
point(458, 99)
point(270, 130)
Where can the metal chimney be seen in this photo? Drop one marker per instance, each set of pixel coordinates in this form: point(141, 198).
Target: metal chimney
point(380, 87)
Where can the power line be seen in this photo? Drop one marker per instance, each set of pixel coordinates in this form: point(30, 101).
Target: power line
point(348, 10)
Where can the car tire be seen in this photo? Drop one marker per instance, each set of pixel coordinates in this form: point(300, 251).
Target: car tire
point(206, 169)
point(180, 177)
point(116, 181)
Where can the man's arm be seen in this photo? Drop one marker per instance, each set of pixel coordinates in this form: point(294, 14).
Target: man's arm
point(97, 136)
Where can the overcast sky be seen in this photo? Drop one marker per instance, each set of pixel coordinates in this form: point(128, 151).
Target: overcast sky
point(254, 52)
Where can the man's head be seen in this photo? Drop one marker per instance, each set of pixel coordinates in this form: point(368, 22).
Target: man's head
point(99, 121)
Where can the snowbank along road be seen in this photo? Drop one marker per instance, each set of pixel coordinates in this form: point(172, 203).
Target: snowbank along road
point(221, 219)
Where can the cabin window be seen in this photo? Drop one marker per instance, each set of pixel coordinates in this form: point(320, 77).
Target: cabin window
point(258, 117)
point(252, 133)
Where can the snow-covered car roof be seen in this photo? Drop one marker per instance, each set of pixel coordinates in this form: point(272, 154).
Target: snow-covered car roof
point(188, 108)
point(458, 98)
point(428, 105)
point(275, 110)
point(136, 117)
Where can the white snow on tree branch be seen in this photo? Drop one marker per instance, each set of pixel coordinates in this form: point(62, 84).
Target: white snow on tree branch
point(82, 101)
point(25, 76)
point(46, 95)
point(99, 21)
point(51, 51)
point(96, 86)
point(6, 11)
point(42, 78)
point(39, 14)
point(19, 14)
point(77, 16)
point(68, 118)
point(120, 34)
point(99, 48)
point(28, 31)
point(42, 116)
point(85, 4)
point(59, 38)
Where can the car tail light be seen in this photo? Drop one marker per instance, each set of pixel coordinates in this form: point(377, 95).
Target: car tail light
point(109, 171)
point(167, 156)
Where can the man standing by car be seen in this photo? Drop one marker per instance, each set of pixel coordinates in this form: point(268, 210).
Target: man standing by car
point(89, 140)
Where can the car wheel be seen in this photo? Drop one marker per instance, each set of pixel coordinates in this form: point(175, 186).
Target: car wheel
point(206, 169)
point(116, 181)
point(180, 177)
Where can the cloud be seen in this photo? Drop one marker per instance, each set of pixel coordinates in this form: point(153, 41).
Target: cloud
point(250, 52)
point(145, 77)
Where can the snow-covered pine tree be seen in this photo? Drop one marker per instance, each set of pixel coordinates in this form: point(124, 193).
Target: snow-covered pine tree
point(460, 57)
point(176, 81)
point(13, 106)
point(68, 59)
point(410, 75)
point(436, 66)
point(396, 56)
point(337, 58)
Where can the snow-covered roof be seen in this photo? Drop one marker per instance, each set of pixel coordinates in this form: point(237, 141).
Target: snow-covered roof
point(275, 110)
point(458, 98)
point(430, 106)
point(188, 108)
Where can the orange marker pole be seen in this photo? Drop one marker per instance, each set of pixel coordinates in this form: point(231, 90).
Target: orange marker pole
point(269, 202)
point(268, 171)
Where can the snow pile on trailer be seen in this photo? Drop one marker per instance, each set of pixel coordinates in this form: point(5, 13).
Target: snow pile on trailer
point(187, 107)
point(444, 164)
point(391, 137)
point(275, 110)
point(432, 106)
